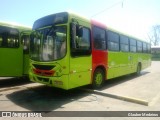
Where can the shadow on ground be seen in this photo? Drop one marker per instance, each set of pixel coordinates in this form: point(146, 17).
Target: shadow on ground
point(44, 98)
point(11, 82)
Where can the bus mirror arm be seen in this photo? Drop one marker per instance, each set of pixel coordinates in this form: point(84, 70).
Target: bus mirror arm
point(79, 30)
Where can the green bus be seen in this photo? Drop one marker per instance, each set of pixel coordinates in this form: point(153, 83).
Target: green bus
point(14, 50)
point(68, 51)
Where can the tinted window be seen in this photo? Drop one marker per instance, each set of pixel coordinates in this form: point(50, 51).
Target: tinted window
point(9, 37)
point(124, 39)
point(133, 46)
point(99, 38)
point(114, 37)
point(139, 46)
point(124, 43)
point(113, 41)
point(132, 42)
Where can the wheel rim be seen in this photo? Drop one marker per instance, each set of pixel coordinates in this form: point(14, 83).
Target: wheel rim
point(98, 79)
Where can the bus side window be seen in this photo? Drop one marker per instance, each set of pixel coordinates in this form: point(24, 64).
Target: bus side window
point(133, 46)
point(124, 43)
point(99, 38)
point(12, 41)
point(139, 46)
point(9, 37)
point(113, 41)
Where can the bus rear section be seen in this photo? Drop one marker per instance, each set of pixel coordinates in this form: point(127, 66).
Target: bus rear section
point(12, 51)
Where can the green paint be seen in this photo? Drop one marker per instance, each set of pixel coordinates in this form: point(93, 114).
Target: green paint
point(13, 61)
point(123, 63)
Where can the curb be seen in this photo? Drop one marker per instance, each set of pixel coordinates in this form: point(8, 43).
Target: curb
point(125, 98)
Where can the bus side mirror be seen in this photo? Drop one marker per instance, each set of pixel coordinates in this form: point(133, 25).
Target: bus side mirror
point(73, 36)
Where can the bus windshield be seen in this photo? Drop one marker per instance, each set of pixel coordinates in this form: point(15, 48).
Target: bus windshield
point(48, 44)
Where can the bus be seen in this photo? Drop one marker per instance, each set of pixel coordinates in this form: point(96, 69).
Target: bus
point(69, 51)
point(14, 49)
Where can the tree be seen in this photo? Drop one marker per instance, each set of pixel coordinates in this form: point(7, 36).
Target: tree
point(154, 35)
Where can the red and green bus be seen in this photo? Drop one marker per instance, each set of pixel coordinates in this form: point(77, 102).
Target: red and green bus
point(68, 51)
point(14, 50)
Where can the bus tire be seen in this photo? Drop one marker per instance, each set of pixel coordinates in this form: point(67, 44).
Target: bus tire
point(98, 78)
point(138, 72)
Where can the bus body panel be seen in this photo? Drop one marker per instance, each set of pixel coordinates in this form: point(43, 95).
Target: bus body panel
point(80, 71)
point(11, 61)
point(146, 61)
point(25, 64)
point(119, 64)
point(99, 59)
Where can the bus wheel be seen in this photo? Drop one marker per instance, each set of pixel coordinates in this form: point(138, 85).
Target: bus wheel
point(138, 69)
point(98, 78)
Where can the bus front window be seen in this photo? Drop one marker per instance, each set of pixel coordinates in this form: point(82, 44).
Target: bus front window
point(48, 44)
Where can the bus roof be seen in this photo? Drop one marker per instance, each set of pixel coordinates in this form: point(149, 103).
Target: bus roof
point(15, 25)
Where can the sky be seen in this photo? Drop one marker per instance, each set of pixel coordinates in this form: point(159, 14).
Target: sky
point(134, 17)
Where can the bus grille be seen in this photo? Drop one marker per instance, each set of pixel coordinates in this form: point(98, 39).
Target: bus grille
point(43, 67)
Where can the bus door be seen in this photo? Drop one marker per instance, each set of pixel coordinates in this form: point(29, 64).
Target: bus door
point(81, 59)
point(25, 38)
point(11, 58)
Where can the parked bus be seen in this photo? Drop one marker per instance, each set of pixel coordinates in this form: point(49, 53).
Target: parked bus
point(14, 50)
point(68, 51)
